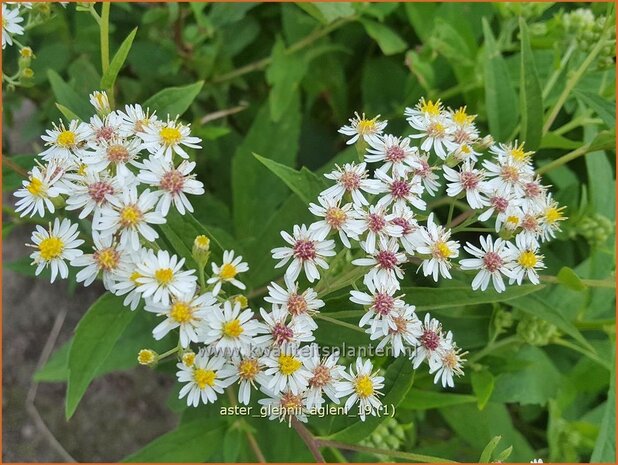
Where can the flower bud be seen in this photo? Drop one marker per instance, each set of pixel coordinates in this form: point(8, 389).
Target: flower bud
point(201, 250)
point(100, 102)
point(188, 358)
point(147, 357)
point(535, 331)
point(240, 299)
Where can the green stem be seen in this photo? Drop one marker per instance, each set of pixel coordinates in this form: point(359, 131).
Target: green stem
point(592, 356)
point(339, 323)
point(594, 325)
point(451, 209)
point(306, 41)
point(201, 277)
point(604, 283)
point(583, 150)
point(104, 32)
point(556, 74)
point(492, 347)
point(408, 456)
point(579, 73)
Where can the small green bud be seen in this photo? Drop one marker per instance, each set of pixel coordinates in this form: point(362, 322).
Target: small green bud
point(201, 250)
point(535, 331)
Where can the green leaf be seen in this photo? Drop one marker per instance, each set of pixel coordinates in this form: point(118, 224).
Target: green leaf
point(604, 140)
point(11, 179)
point(66, 96)
point(500, 97)
point(535, 383)
point(605, 445)
point(68, 114)
point(57, 367)
point(284, 75)
point(555, 141)
point(567, 277)
point(398, 381)
point(174, 101)
point(109, 78)
point(531, 97)
point(604, 108)
point(425, 400)
point(95, 336)
point(327, 12)
point(231, 444)
point(389, 41)
point(256, 192)
point(483, 386)
point(192, 441)
point(303, 183)
point(489, 449)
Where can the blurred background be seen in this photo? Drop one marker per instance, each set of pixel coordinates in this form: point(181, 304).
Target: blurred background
point(282, 78)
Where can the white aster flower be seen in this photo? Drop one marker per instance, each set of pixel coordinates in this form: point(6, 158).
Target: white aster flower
point(325, 376)
point(247, 370)
point(378, 224)
point(430, 343)
point(492, 260)
point(165, 139)
point(66, 144)
point(227, 272)
point(284, 406)
point(206, 378)
point(468, 180)
point(161, 277)
point(402, 327)
point(394, 152)
point(91, 192)
point(429, 179)
point(297, 304)
point(514, 153)
point(106, 259)
point(508, 175)
point(38, 190)
point(353, 179)
point(126, 278)
point(448, 363)
point(363, 387)
point(499, 204)
point(100, 101)
point(410, 235)
point(172, 183)
point(186, 311)
point(360, 126)
point(385, 263)
point(338, 218)
point(281, 332)
point(527, 260)
point(285, 371)
point(10, 24)
point(306, 253)
point(534, 194)
point(434, 127)
point(54, 246)
point(438, 249)
point(135, 120)
point(103, 129)
point(465, 132)
point(228, 329)
point(131, 216)
point(401, 190)
point(380, 302)
point(119, 153)
point(551, 217)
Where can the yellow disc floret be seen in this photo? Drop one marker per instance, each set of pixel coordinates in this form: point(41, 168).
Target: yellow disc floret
point(130, 216)
point(164, 275)
point(204, 377)
point(527, 259)
point(233, 328)
point(288, 364)
point(170, 136)
point(363, 385)
point(36, 187)
point(181, 312)
point(146, 357)
point(228, 271)
point(248, 369)
point(51, 248)
point(66, 139)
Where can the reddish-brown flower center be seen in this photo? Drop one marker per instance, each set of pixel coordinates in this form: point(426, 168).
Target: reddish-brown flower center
point(383, 303)
point(98, 190)
point(304, 249)
point(430, 339)
point(492, 261)
point(529, 223)
point(376, 222)
point(386, 259)
point(401, 325)
point(105, 133)
point(395, 154)
point(499, 203)
point(282, 333)
point(335, 217)
point(321, 376)
point(297, 304)
point(117, 153)
point(469, 180)
point(400, 189)
point(350, 180)
point(532, 189)
point(173, 181)
point(509, 173)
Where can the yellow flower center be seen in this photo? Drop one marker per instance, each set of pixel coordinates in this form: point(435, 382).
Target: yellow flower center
point(436, 129)
point(202, 242)
point(288, 364)
point(366, 126)
point(335, 217)
point(51, 248)
point(81, 170)
point(204, 378)
point(512, 220)
point(553, 214)
point(363, 386)
point(164, 275)
point(431, 108)
point(107, 259)
point(66, 139)
point(35, 187)
point(233, 328)
point(242, 300)
point(135, 276)
point(170, 136)
point(181, 312)
point(248, 369)
point(228, 271)
point(145, 357)
point(442, 250)
point(188, 359)
point(130, 216)
point(460, 117)
point(518, 153)
point(527, 259)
